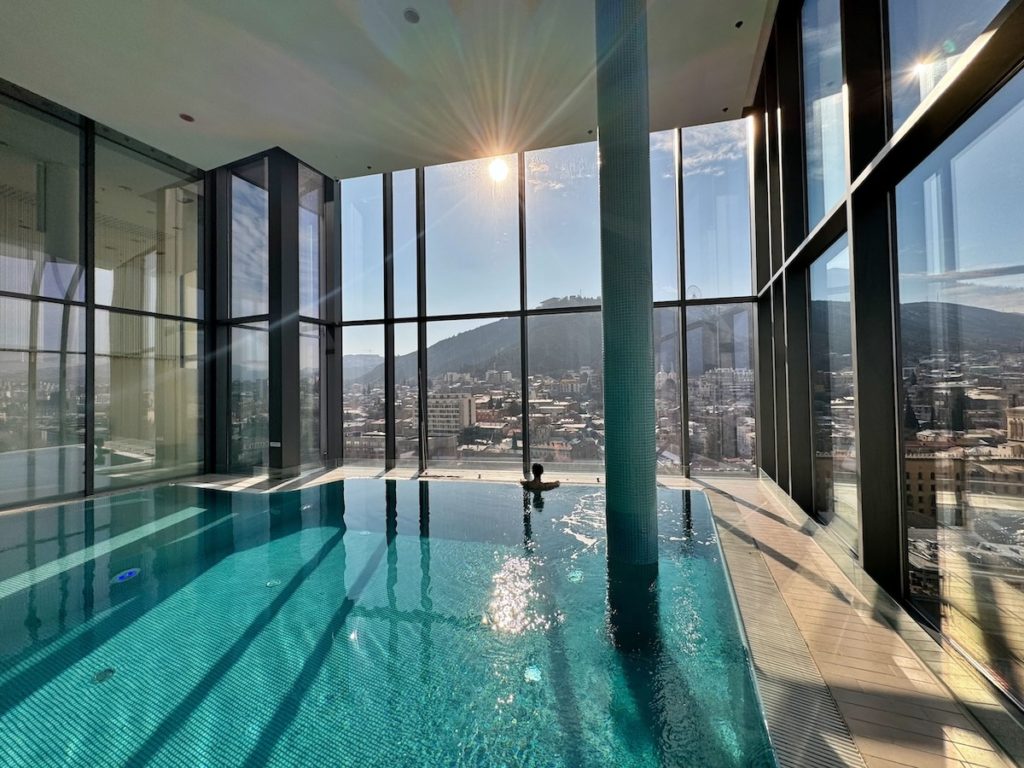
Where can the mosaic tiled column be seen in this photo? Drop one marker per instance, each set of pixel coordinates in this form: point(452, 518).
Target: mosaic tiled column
point(626, 285)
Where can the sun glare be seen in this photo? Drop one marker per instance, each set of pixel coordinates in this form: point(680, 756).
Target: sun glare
point(498, 169)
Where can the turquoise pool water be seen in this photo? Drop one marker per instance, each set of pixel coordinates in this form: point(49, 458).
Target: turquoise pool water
point(362, 623)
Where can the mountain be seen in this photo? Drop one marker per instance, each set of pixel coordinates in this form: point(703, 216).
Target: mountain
point(924, 327)
point(969, 329)
point(557, 344)
point(357, 366)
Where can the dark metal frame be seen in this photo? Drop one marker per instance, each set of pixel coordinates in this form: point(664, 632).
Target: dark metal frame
point(877, 160)
point(88, 132)
point(523, 312)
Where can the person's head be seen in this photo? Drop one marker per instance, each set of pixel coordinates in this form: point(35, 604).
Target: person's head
point(538, 470)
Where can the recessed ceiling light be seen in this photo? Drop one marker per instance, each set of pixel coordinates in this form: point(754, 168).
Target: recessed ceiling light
point(739, 24)
point(187, 117)
point(411, 15)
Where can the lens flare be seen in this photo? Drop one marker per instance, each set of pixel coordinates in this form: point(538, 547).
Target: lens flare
point(498, 169)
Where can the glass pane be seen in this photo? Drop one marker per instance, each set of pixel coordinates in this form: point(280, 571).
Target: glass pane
point(716, 210)
point(926, 39)
point(363, 394)
point(961, 287)
point(474, 395)
point(42, 400)
point(720, 385)
point(39, 210)
point(309, 392)
point(472, 211)
point(149, 399)
point(664, 215)
point(403, 192)
point(362, 248)
point(566, 390)
point(407, 392)
point(667, 394)
point(149, 231)
point(250, 218)
point(563, 227)
point(823, 107)
point(311, 201)
point(250, 396)
point(832, 394)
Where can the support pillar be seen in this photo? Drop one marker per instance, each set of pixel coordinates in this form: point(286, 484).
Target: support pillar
point(283, 236)
point(626, 285)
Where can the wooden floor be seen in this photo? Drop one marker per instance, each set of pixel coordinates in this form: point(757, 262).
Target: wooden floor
point(847, 678)
point(895, 707)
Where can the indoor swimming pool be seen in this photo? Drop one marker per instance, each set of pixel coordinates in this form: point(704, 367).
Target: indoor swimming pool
point(363, 623)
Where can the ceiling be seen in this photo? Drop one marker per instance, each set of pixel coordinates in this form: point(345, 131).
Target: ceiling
point(352, 87)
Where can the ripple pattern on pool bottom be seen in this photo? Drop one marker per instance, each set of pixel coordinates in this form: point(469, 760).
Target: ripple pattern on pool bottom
point(369, 654)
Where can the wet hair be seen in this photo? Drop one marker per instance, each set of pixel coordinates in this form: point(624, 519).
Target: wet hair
point(537, 469)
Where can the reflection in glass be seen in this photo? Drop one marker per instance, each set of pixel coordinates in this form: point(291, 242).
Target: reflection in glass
point(39, 250)
point(407, 393)
point(823, 107)
point(362, 248)
point(926, 39)
point(563, 229)
point(149, 221)
point(472, 222)
point(566, 389)
point(961, 287)
point(667, 391)
point(149, 402)
point(250, 396)
point(311, 200)
point(42, 399)
point(474, 395)
point(720, 382)
point(716, 210)
point(250, 219)
point(309, 392)
point(403, 194)
point(664, 215)
point(832, 393)
point(363, 394)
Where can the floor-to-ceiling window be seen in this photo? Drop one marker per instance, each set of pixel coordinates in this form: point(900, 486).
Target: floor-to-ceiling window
point(312, 303)
point(563, 269)
point(249, 309)
point(825, 148)
point(832, 393)
point(116, 400)
point(720, 385)
point(961, 281)
point(42, 317)
point(474, 365)
point(718, 266)
point(926, 40)
point(494, 277)
point(149, 341)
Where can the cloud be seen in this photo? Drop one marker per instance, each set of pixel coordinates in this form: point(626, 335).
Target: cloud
point(709, 149)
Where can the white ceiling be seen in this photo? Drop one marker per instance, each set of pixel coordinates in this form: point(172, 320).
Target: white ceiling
point(347, 84)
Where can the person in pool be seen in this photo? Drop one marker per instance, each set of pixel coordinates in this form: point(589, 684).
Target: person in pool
point(536, 484)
